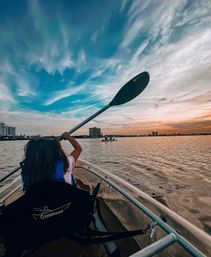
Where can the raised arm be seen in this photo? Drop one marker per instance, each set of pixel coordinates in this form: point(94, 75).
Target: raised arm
point(77, 147)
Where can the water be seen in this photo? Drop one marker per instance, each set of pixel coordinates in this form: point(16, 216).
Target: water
point(174, 170)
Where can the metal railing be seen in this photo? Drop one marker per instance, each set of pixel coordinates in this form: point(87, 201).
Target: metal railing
point(8, 189)
point(172, 236)
point(9, 174)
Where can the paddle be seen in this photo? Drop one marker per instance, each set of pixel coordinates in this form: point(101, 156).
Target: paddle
point(128, 92)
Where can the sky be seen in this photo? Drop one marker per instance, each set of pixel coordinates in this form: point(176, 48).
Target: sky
point(63, 60)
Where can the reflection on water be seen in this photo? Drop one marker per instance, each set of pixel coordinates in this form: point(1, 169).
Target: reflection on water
point(175, 170)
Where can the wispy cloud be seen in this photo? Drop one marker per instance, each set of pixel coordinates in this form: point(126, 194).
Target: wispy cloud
point(24, 88)
point(54, 53)
point(72, 66)
point(63, 94)
point(7, 68)
point(5, 94)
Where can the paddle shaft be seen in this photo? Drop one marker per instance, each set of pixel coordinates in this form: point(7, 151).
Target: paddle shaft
point(88, 119)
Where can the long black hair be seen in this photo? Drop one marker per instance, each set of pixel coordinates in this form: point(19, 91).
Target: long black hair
point(40, 160)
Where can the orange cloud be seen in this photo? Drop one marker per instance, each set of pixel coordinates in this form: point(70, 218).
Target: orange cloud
point(195, 125)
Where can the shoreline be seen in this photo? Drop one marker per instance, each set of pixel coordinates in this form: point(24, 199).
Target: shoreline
point(116, 136)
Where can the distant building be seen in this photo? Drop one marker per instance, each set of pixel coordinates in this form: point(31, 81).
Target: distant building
point(6, 130)
point(154, 133)
point(94, 132)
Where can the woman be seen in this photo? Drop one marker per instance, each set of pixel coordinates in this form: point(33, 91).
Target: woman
point(45, 160)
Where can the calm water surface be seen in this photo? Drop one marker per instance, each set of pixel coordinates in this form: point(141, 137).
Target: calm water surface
point(176, 169)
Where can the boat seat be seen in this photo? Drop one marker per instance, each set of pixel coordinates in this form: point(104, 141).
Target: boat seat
point(51, 211)
point(46, 212)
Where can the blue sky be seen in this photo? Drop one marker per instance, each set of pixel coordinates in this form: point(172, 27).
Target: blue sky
point(61, 61)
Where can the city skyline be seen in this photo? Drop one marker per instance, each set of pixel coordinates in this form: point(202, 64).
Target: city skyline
point(58, 69)
point(7, 132)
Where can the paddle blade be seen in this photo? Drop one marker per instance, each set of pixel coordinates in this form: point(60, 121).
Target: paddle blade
point(131, 89)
